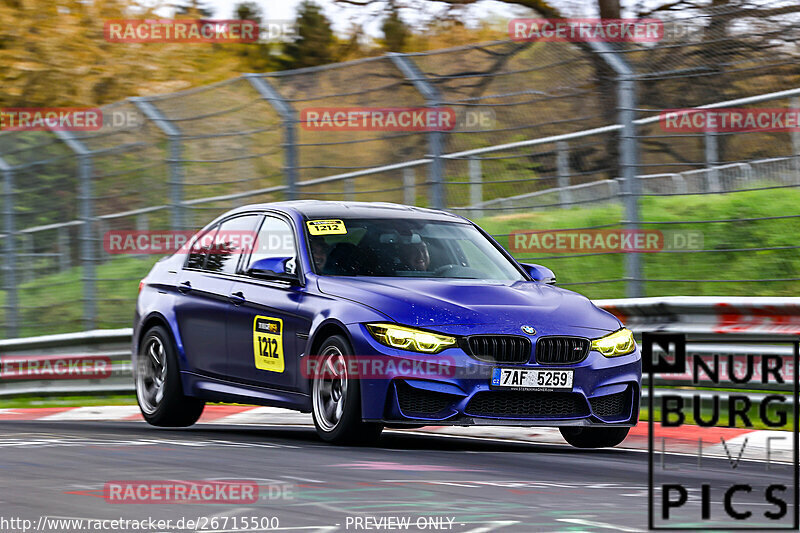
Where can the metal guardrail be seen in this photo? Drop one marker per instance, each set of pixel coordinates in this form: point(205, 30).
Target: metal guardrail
point(710, 317)
point(713, 179)
point(112, 343)
point(700, 318)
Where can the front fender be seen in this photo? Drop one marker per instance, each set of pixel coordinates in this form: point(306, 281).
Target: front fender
point(325, 312)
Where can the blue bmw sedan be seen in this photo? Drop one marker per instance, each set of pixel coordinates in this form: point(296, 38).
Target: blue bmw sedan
point(373, 315)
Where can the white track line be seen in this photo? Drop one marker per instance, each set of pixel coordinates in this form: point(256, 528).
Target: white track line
point(110, 412)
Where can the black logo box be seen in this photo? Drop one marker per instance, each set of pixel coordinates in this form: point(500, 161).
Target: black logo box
point(663, 366)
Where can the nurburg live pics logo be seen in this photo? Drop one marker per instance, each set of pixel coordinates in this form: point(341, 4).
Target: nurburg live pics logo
point(741, 500)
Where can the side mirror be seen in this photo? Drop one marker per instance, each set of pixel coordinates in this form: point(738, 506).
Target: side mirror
point(540, 273)
point(280, 268)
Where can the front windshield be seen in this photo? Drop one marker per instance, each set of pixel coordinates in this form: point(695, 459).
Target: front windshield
point(406, 248)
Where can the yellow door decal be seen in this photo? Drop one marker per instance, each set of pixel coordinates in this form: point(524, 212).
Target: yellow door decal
point(268, 343)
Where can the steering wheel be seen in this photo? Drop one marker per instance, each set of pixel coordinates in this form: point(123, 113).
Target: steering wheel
point(444, 268)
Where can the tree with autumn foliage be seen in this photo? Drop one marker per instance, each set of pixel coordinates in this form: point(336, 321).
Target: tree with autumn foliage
point(53, 53)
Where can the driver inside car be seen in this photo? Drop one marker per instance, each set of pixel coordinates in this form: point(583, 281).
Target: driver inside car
point(416, 256)
point(319, 253)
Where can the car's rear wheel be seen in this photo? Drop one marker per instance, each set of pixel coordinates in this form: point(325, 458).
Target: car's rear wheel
point(158, 383)
point(594, 437)
point(336, 398)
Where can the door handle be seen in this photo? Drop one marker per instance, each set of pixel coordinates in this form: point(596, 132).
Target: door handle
point(185, 287)
point(237, 298)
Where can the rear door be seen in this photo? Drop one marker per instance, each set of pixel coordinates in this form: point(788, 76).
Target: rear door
point(204, 287)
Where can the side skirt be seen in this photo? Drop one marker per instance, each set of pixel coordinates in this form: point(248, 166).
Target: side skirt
point(218, 390)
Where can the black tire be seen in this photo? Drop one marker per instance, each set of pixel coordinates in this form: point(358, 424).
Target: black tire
point(594, 437)
point(348, 427)
point(170, 408)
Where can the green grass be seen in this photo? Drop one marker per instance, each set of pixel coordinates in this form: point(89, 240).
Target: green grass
point(67, 401)
point(723, 421)
point(53, 303)
point(746, 265)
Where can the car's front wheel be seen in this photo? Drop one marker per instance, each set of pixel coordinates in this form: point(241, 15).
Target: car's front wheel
point(594, 437)
point(336, 397)
point(158, 383)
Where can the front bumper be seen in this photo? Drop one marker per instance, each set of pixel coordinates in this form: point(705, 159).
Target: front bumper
point(605, 391)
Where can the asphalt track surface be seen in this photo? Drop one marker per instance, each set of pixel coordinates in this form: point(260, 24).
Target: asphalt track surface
point(58, 469)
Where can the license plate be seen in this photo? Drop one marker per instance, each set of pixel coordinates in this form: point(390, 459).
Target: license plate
point(529, 379)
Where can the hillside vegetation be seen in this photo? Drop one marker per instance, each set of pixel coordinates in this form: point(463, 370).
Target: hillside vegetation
point(56, 300)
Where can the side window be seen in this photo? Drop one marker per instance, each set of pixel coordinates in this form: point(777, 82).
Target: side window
point(275, 239)
point(200, 248)
point(234, 238)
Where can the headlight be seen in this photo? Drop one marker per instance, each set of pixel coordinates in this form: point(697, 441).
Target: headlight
point(618, 343)
point(407, 338)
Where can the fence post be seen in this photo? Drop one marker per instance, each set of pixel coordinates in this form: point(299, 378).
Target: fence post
point(435, 138)
point(63, 249)
point(10, 263)
point(679, 183)
point(562, 164)
point(629, 153)
point(475, 185)
point(25, 241)
point(795, 104)
point(629, 156)
point(349, 189)
point(102, 229)
point(712, 160)
point(175, 160)
point(85, 209)
point(142, 224)
point(409, 186)
point(289, 119)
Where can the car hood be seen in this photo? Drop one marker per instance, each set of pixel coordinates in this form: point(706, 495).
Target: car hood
point(475, 306)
